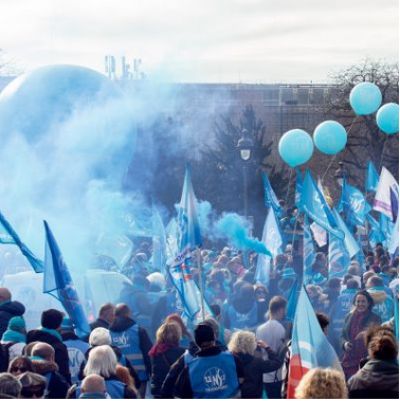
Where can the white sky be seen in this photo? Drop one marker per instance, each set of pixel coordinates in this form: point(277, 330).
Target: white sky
point(256, 41)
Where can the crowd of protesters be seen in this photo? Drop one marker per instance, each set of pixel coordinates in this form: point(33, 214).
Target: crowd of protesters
point(142, 347)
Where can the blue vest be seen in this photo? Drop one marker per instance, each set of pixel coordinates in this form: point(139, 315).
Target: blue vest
point(214, 376)
point(114, 388)
point(384, 309)
point(244, 321)
point(76, 355)
point(128, 343)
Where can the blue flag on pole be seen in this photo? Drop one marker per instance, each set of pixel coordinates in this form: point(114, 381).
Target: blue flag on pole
point(375, 233)
point(159, 257)
point(273, 238)
point(308, 252)
point(9, 236)
point(351, 244)
point(353, 204)
point(299, 186)
point(57, 281)
point(189, 227)
point(315, 206)
point(270, 198)
point(310, 346)
point(338, 257)
point(371, 178)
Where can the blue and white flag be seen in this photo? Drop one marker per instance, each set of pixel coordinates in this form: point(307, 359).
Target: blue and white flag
point(172, 234)
point(308, 252)
point(273, 238)
point(188, 222)
point(386, 193)
point(57, 281)
point(375, 233)
point(9, 236)
point(315, 206)
point(338, 257)
point(310, 346)
point(353, 204)
point(270, 198)
point(351, 244)
point(159, 257)
point(371, 178)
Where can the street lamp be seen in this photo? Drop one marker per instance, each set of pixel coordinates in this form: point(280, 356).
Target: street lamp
point(340, 174)
point(245, 146)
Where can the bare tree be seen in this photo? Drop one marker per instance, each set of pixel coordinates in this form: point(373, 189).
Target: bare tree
point(365, 141)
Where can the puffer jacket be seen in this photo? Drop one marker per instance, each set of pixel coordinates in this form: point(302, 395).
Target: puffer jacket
point(376, 379)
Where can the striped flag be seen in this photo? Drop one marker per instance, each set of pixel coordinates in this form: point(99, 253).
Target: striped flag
point(310, 347)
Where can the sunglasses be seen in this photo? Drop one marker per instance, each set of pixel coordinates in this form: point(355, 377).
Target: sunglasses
point(32, 393)
point(21, 369)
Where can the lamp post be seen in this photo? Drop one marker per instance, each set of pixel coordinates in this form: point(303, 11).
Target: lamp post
point(340, 174)
point(245, 146)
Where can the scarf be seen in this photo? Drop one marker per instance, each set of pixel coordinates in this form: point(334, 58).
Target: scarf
point(53, 332)
point(13, 337)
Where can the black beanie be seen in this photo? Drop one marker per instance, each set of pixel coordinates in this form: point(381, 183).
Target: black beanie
point(203, 333)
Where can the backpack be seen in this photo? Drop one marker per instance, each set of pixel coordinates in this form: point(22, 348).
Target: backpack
point(5, 356)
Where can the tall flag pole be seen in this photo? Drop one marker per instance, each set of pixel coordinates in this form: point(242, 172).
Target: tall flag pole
point(310, 347)
point(10, 237)
point(57, 281)
point(272, 238)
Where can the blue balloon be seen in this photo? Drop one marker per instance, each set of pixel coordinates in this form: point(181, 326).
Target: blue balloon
point(330, 137)
point(365, 98)
point(387, 118)
point(296, 147)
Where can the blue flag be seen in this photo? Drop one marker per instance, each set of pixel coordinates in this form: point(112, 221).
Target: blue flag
point(353, 204)
point(299, 186)
point(310, 346)
point(272, 238)
point(338, 257)
point(270, 198)
point(315, 206)
point(375, 233)
point(308, 252)
point(371, 178)
point(9, 236)
point(189, 228)
point(57, 281)
point(292, 299)
point(350, 243)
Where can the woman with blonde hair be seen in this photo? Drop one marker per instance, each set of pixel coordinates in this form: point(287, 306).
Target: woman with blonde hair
point(102, 361)
point(164, 353)
point(243, 345)
point(322, 383)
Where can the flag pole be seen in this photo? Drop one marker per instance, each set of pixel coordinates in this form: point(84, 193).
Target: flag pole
point(201, 286)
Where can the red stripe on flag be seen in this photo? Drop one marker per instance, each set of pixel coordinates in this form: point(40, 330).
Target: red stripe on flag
point(296, 372)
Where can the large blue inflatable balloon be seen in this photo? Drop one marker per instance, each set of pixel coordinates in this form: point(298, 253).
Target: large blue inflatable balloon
point(365, 98)
point(387, 118)
point(296, 147)
point(38, 100)
point(330, 137)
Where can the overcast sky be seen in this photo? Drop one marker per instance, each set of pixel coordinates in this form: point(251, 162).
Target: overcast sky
point(256, 41)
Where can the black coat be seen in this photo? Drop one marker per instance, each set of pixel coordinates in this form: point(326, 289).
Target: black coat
point(160, 365)
point(57, 386)
point(9, 310)
point(99, 323)
point(376, 379)
point(253, 369)
point(61, 351)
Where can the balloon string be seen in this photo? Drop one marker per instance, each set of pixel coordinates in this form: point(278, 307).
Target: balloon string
point(288, 187)
point(334, 158)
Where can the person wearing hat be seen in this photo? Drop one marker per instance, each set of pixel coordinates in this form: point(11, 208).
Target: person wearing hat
point(8, 309)
point(75, 346)
point(13, 340)
point(212, 373)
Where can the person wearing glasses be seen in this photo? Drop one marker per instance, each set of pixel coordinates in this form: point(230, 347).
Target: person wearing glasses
point(19, 365)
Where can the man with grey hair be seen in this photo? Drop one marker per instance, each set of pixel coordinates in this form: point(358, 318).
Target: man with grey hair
point(93, 386)
point(10, 387)
point(8, 309)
